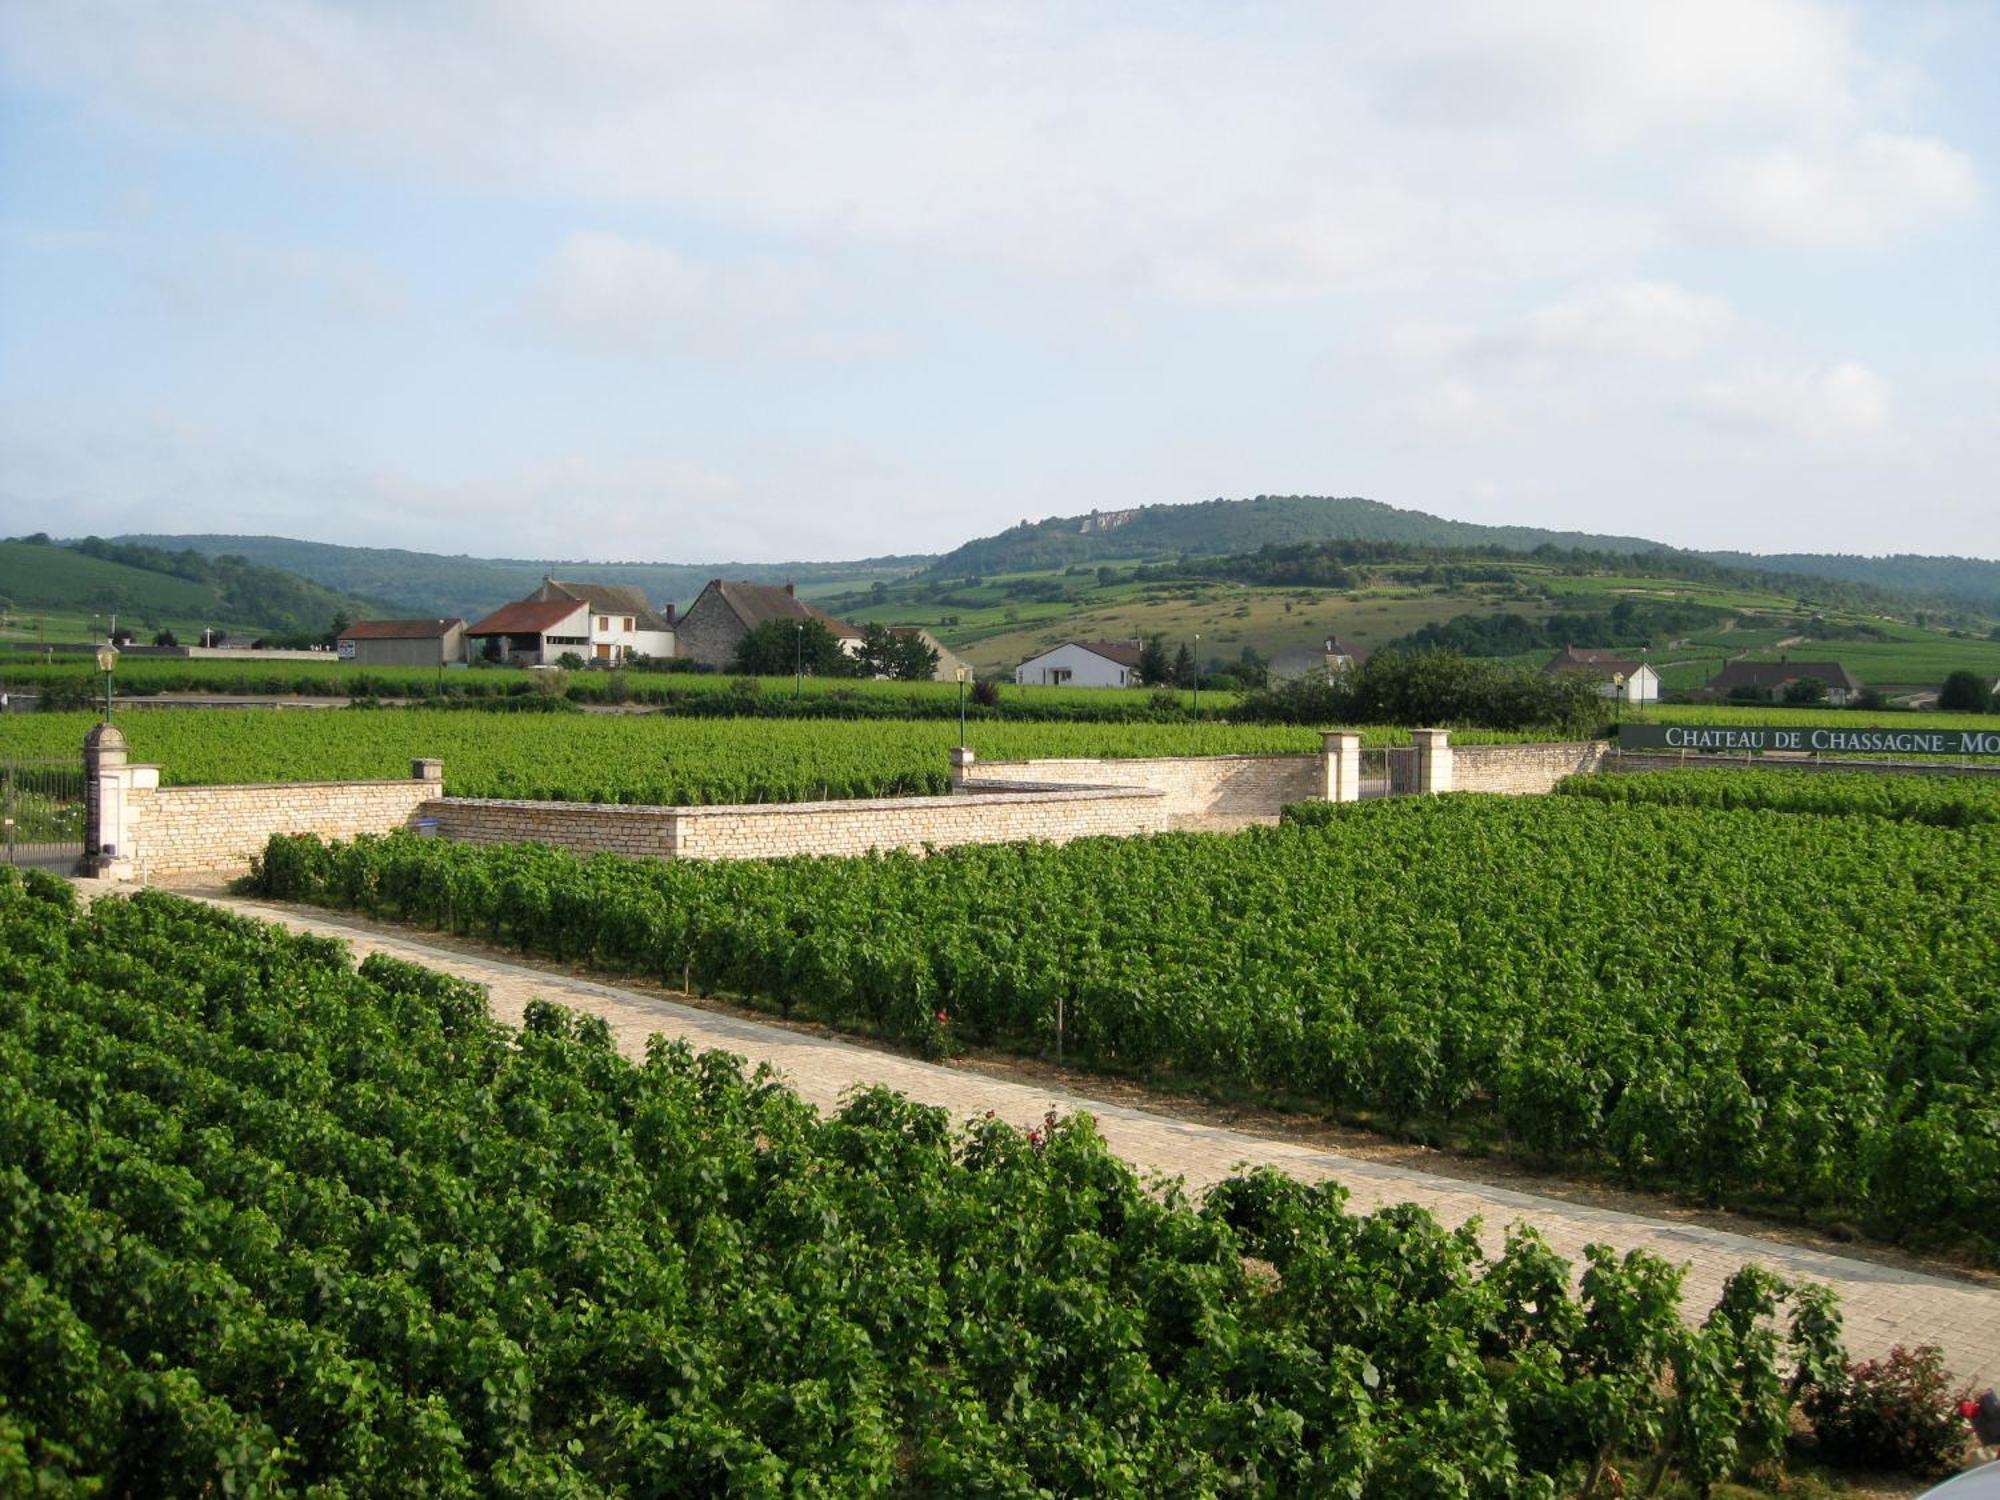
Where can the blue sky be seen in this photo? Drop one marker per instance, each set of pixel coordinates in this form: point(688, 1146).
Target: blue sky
point(741, 279)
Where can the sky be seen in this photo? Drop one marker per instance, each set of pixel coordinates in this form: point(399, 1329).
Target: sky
point(750, 280)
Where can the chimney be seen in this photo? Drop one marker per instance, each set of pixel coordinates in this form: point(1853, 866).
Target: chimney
point(670, 614)
point(790, 590)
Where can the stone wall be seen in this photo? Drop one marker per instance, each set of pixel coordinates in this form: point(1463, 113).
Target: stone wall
point(181, 830)
point(1521, 770)
point(768, 830)
point(1200, 792)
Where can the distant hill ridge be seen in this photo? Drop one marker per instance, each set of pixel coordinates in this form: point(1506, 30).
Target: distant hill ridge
point(430, 583)
point(1222, 526)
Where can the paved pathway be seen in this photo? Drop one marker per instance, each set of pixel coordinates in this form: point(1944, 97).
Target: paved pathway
point(1884, 1305)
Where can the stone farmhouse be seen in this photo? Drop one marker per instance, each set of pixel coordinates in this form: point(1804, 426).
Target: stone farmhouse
point(723, 613)
point(402, 643)
point(1617, 676)
point(1082, 664)
point(1767, 681)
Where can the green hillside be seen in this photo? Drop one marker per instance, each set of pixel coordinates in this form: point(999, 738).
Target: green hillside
point(150, 590)
point(1973, 581)
point(430, 583)
point(1219, 526)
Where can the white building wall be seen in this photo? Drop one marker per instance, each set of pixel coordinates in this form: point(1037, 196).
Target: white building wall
point(1083, 669)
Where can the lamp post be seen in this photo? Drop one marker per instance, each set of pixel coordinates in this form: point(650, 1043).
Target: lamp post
point(107, 662)
point(961, 707)
point(1617, 696)
point(799, 659)
point(1197, 674)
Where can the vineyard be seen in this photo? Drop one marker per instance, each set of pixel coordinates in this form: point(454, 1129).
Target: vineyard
point(271, 1224)
point(73, 680)
point(654, 758)
point(1947, 802)
point(1764, 1010)
point(604, 758)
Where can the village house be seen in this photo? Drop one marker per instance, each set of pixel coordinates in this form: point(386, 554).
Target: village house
point(724, 612)
point(1082, 664)
point(1769, 681)
point(1616, 676)
point(402, 643)
point(622, 624)
point(602, 624)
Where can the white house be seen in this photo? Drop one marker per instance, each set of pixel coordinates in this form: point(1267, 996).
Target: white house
point(1617, 676)
point(534, 633)
point(621, 623)
point(1082, 664)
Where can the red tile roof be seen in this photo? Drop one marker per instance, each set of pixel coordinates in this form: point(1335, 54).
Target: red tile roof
point(529, 617)
point(398, 630)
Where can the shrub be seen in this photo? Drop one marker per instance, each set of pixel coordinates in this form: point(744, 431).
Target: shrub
point(1898, 1412)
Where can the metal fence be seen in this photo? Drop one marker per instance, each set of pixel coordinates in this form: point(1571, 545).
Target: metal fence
point(41, 813)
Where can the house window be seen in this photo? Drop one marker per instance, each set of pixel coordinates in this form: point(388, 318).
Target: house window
point(603, 622)
point(628, 624)
point(1055, 676)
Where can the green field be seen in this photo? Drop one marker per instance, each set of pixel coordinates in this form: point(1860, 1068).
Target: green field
point(659, 759)
point(1740, 1004)
point(647, 759)
point(274, 1225)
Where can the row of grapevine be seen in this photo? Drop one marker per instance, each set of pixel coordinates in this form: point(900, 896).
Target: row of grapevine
point(1947, 801)
point(73, 679)
point(1755, 1008)
point(269, 1224)
point(647, 758)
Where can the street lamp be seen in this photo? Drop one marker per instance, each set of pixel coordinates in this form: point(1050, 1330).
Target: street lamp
point(799, 659)
point(962, 675)
point(1197, 673)
point(1617, 696)
point(107, 662)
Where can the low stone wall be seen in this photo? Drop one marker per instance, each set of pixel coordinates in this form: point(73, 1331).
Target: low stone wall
point(1521, 770)
point(1619, 760)
point(180, 830)
point(1212, 791)
point(767, 830)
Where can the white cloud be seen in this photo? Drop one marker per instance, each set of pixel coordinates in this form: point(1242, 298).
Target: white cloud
point(1841, 404)
point(1868, 192)
point(1636, 319)
point(1611, 73)
point(611, 291)
point(1454, 412)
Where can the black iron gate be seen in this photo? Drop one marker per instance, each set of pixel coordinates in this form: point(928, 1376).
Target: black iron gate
point(1389, 772)
point(41, 813)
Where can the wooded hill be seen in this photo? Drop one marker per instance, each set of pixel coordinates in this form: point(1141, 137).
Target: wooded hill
point(429, 583)
point(150, 589)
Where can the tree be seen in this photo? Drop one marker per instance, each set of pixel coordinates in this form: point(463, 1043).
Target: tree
point(1965, 692)
point(777, 648)
point(164, 638)
point(1155, 668)
point(916, 658)
point(879, 651)
point(569, 661)
point(1804, 692)
point(1183, 670)
point(492, 651)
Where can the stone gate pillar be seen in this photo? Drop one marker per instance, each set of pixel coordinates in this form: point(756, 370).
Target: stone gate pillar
point(1434, 770)
point(962, 759)
point(105, 778)
point(1342, 749)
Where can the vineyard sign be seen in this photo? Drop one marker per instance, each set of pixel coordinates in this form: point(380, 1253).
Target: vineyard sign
point(1743, 739)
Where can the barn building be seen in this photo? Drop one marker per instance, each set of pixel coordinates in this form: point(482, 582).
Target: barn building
point(402, 643)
